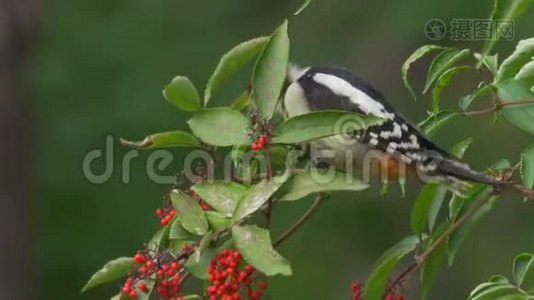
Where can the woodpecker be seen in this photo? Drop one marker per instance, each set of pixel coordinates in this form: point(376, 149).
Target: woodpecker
point(396, 138)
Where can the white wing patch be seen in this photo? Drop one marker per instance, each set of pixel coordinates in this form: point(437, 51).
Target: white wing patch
point(365, 103)
point(397, 132)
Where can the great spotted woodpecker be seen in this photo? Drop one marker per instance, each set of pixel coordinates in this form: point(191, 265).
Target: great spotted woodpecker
point(397, 139)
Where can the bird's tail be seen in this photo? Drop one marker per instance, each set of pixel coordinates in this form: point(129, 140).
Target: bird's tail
point(462, 171)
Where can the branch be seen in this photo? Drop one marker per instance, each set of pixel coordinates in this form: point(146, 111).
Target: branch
point(295, 227)
point(499, 104)
point(420, 260)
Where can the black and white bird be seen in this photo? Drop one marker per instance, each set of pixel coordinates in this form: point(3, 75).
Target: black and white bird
point(333, 88)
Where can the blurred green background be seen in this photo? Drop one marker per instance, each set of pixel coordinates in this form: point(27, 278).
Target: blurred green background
point(96, 68)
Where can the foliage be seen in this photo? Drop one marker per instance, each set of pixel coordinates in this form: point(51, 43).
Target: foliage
point(208, 223)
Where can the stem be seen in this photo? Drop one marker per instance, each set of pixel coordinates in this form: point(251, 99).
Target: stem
point(295, 227)
point(267, 157)
point(419, 260)
point(468, 214)
point(499, 104)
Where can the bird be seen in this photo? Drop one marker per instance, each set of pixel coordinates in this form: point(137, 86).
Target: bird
point(396, 141)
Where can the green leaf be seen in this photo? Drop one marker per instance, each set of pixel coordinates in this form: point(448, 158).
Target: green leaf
point(320, 124)
point(255, 245)
point(432, 266)
point(218, 221)
point(520, 116)
point(270, 71)
point(160, 239)
point(524, 270)
point(443, 81)
point(499, 279)
point(182, 94)
point(376, 284)
point(504, 10)
point(242, 102)
point(526, 74)
point(302, 7)
point(257, 196)
point(192, 297)
point(430, 199)
point(483, 89)
point(178, 232)
point(221, 195)
point(199, 262)
point(431, 195)
point(220, 127)
point(444, 61)
point(164, 140)
point(315, 181)
point(435, 121)
point(527, 167)
point(457, 239)
point(484, 286)
point(416, 55)
point(511, 66)
point(499, 291)
point(490, 61)
point(113, 270)
point(231, 62)
point(189, 212)
point(459, 149)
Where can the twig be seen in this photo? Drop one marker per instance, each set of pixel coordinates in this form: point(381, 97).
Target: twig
point(468, 214)
point(499, 104)
point(528, 193)
point(419, 260)
point(295, 227)
point(267, 158)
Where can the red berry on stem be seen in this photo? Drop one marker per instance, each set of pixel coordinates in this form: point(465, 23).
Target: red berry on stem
point(139, 258)
point(127, 289)
point(143, 287)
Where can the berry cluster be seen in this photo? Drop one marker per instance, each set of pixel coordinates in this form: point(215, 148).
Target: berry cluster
point(167, 280)
point(165, 215)
point(260, 143)
point(357, 290)
point(227, 280)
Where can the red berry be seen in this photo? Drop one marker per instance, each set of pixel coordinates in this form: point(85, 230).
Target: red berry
point(139, 258)
point(249, 269)
point(159, 212)
point(127, 289)
point(263, 284)
point(263, 140)
point(186, 247)
point(356, 287)
point(164, 221)
point(143, 287)
point(390, 297)
point(401, 297)
point(255, 295)
point(133, 294)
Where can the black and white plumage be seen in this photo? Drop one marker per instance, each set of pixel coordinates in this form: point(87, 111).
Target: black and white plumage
point(332, 88)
